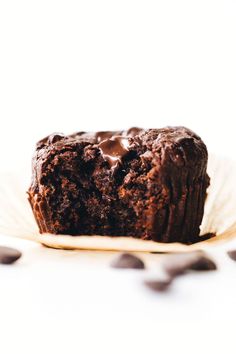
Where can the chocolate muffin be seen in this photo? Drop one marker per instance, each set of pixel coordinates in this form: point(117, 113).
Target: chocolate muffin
point(149, 184)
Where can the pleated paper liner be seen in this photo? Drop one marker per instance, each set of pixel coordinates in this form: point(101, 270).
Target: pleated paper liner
point(16, 218)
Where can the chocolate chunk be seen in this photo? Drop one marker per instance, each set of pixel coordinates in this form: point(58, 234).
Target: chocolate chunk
point(101, 136)
point(114, 149)
point(180, 263)
point(128, 261)
point(232, 254)
point(158, 285)
point(9, 255)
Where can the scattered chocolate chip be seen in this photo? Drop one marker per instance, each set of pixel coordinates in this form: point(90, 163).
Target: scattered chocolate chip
point(158, 285)
point(180, 263)
point(9, 255)
point(203, 263)
point(232, 254)
point(128, 261)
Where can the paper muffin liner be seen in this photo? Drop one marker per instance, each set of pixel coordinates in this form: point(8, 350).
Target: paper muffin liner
point(16, 217)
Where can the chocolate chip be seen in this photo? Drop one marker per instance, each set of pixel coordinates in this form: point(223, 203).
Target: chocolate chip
point(232, 254)
point(203, 263)
point(158, 285)
point(9, 255)
point(180, 263)
point(128, 261)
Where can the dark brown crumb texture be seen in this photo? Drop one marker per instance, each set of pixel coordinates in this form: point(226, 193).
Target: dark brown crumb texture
point(149, 184)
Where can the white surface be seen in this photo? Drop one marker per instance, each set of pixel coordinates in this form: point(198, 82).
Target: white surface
point(87, 65)
point(69, 301)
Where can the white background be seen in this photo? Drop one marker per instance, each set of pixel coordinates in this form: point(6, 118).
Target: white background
point(86, 65)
